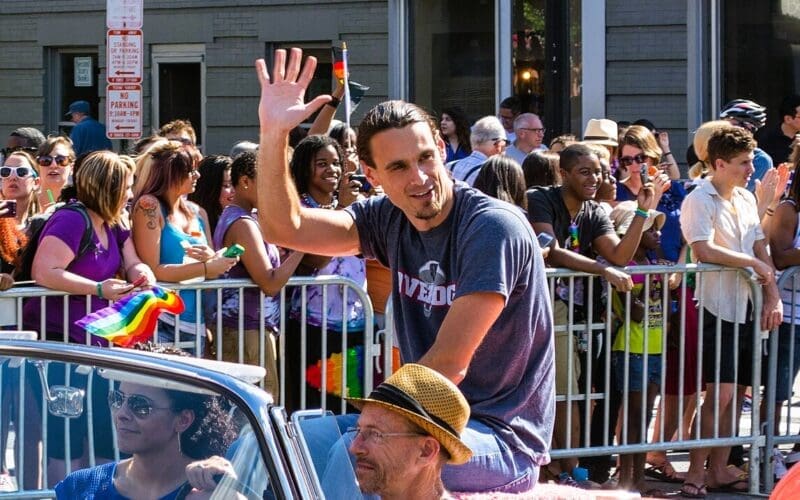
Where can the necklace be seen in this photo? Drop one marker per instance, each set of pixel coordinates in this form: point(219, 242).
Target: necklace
point(574, 242)
point(311, 202)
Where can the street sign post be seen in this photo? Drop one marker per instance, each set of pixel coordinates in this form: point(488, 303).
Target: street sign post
point(124, 14)
point(124, 111)
point(124, 56)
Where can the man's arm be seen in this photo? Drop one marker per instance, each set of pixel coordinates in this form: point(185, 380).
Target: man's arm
point(562, 257)
point(772, 307)
point(283, 220)
point(462, 331)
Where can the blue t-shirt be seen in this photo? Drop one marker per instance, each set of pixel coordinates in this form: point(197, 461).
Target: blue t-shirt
point(484, 245)
point(89, 135)
point(96, 483)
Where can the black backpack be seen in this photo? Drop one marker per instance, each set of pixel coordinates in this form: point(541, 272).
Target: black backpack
point(36, 224)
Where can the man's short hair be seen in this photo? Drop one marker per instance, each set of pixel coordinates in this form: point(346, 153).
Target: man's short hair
point(726, 143)
point(388, 115)
point(572, 154)
point(176, 127)
point(521, 119)
point(789, 106)
point(32, 136)
point(511, 103)
point(487, 129)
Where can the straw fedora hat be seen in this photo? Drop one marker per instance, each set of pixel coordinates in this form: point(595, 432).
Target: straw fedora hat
point(602, 131)
point(428, 399)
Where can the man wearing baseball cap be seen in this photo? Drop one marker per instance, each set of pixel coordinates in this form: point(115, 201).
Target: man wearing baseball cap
point(88, 134)
point(410, 427)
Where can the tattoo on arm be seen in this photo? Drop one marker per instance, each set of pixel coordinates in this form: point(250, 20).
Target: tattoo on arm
point(148, 207)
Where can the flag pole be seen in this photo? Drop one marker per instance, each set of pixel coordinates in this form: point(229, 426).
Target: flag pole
point(346, 86)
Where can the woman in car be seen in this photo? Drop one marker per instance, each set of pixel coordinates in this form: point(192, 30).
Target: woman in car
point(163, 430)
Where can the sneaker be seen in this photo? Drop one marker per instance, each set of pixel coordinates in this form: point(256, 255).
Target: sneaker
point(747, 404)
point(564, 479)
point(778, 464)
point(7, 483)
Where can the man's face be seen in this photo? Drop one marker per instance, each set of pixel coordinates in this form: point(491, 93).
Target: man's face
point(530, 133)
point(76, 117)
point(584, 177)
point(386, 464)
point(507, 118)
point(793, 122)
point(738, 170)
point(409, 168)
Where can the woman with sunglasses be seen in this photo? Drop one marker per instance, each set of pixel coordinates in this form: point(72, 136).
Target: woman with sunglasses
point(19, 181)
point(56, 159)
point(163, 430)
point(172, 238)
point(639, 152)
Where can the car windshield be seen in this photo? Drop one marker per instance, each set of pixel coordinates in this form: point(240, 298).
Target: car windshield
point(73, 430)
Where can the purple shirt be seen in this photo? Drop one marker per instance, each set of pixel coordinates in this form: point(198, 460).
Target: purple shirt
point(97, 264)
point(230, 296)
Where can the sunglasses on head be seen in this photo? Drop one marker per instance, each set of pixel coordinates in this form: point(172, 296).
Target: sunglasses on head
point(626, 161)
point(61, 160)
point(140, 406)
point(5, 171)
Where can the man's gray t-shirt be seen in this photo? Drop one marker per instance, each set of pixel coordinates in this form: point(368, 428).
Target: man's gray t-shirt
point(484, 245)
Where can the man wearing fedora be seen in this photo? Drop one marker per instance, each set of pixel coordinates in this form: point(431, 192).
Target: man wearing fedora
point(410, 427)
point(469, 291)
point(88, 134)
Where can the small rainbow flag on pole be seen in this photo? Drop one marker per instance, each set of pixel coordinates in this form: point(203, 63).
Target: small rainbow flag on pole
point(132, 319)
point(342, 73)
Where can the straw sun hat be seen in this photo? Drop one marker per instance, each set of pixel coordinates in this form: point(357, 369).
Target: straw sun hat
point(431, 401)
point(602, 131)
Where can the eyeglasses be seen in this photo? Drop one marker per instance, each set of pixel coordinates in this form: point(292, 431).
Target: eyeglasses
point(630, 160)
point(500, 142)
point(140, 406)
point(61, 160)
point(375, 436)
point(534, 130)
point(21, 172)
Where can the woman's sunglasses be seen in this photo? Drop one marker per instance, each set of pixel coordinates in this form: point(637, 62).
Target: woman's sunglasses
point(626, 161)
point(139, 405)
point(21, 172)
point(61, 160)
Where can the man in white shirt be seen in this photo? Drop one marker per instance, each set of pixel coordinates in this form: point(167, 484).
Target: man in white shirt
point(487, 138)
point(720, 221)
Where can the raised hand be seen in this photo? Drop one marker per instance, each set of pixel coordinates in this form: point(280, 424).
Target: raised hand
point(282, 105)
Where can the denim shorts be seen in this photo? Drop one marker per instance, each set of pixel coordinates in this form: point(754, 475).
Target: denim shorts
point(635, 369)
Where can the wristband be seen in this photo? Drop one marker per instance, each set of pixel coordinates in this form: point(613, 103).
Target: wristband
point(100, 289)
point(205, 269)
point(666, 154)
point(770, 211)
point(334, 102)
point(641, 213)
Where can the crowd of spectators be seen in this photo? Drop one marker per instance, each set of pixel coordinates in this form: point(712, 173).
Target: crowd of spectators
point(614, 197)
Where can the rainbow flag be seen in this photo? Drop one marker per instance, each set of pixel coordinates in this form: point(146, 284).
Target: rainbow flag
point(132, 319)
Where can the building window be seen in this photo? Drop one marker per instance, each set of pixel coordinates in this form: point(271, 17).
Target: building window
point(179, 86)
point(452, 55)
point(761, 52)
point(72, 76)
point(546, 61)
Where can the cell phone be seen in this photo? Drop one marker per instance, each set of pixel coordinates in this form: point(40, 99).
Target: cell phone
point(234, 251)
point(643, 173)
point(545, 239)
point(141, 280)
point(10, 206)
point(365, 185)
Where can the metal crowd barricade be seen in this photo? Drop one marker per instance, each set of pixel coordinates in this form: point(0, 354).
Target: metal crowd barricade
point(373, 348)
point(780, 425)
point(584, 293)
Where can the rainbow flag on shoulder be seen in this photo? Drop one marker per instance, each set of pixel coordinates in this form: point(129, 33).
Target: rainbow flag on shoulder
point(132, 319)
